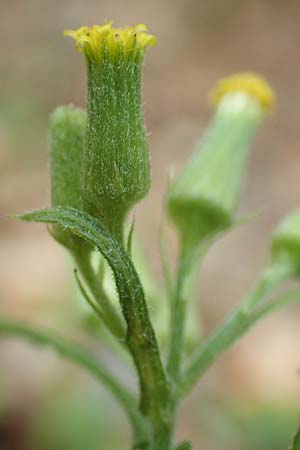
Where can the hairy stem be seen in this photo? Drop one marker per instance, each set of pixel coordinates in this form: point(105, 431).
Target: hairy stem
point(178, 313)
point(190, 257)
point(156, 402)
point(235, 326)
point(110, 315)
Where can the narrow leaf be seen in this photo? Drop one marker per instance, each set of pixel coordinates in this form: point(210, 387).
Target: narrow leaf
point(84, 293)
point(140, 334)
point(130, 236)
point(75, 353)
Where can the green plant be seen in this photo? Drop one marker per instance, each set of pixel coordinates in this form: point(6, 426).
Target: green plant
point(99, 171)
point(296, 441)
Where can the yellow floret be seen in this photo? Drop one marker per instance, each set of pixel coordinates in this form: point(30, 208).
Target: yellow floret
point(249, 83)
point(90, 39)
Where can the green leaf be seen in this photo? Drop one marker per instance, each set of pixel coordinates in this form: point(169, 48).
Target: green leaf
point(82, 357)
point(140, 334)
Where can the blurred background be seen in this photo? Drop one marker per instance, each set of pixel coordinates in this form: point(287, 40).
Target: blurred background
point(250, 399)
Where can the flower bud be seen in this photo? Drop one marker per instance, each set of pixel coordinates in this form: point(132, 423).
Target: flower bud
point(285, 244)
point(116, 170)
point(202, 200)
point(67, 131)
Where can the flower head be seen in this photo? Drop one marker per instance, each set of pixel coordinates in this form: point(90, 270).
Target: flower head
point(91, 40)
point(115, 171)
point(202, 199)
point(247, 83)
point(67, 136)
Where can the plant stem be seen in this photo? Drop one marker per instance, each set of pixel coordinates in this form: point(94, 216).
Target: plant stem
point(83, 358)
point(222, 338)
point(165, 263)
point(156, 396)
point(270, 278)
point(111, 317)
point(190, 257)
point(235, 326)
point(178, 312)
point(155, 390)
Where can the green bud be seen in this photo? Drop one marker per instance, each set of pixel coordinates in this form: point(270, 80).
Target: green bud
point(202, 200)
point(285, 244)
point(67, 134)
point(116, 169)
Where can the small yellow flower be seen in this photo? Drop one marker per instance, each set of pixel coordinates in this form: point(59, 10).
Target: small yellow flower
point(91, 39)
point(248, 83)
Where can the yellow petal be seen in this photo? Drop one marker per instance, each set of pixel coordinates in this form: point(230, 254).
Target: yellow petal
point(92, 38)
point(249, 83)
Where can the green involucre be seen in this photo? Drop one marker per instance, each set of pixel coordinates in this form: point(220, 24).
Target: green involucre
point(116, 169)
point(66, 136)
point(203, 198)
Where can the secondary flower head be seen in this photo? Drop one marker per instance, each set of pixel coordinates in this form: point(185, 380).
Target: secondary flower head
point(92, 40)
point(248, 84)
point(66, 139)
point(202, 200)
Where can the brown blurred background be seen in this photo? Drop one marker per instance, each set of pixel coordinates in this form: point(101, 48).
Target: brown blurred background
point(250, 399)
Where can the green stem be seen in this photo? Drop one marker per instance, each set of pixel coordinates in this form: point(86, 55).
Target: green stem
point(223, 337)
point(271, 277)
point(190, 257)
point(235, 326)
point(111, 317)
point(275, 304)
point(178, 313)
point(168, 281)
point(155, 388)
point(83, 358)
point(95, 307)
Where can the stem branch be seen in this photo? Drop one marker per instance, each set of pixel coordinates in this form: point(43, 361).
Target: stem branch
point(110, 315)
point(235, 326)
